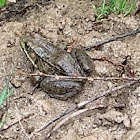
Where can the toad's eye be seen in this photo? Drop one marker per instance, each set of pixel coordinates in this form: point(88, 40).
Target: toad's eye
point(27, 45)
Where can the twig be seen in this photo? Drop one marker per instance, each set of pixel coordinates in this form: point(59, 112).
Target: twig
point(57, 118)
point(109, 61)
point(25, 117)
point(22, 128)
point(112, 39)
point(69, 117)
point(123, 66)
point(61, 77)
point(84, 103)
point(76, 113)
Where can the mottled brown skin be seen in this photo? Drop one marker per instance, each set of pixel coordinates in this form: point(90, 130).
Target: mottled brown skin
point(50, 59)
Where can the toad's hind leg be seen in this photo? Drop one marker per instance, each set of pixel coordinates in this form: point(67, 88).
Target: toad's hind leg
point(61, 89)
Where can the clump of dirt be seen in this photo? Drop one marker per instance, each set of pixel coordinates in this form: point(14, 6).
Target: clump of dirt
point(72, 24)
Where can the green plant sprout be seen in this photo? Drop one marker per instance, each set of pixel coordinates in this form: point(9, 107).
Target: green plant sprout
point(119, 6)
point(101, 11)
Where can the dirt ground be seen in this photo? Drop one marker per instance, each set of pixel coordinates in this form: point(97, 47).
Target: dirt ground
point(72, 23)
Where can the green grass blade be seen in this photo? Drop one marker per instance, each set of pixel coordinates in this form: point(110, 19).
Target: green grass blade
point(112, 4)
point(4, 120)
point(9, 93)
point(103, 6)
point(101, 11)
point(131, 7)
point(122, 6)
point(3, 94)
point(2, 3)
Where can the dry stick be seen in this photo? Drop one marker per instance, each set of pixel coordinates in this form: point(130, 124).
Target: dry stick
point(25, 117)
point(22, 128)
point(112, 39)
point(76, 113)
point(59, 77)
point(82, 104)
point(69, 117)
point(57, 118)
